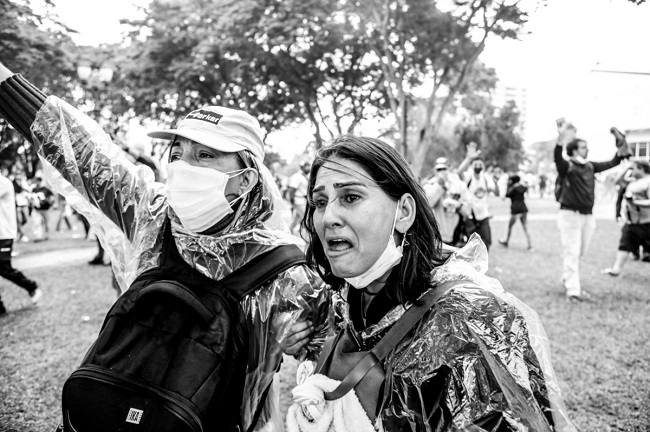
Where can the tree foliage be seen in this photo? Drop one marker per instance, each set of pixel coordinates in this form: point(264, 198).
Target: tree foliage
point(496, 133)
point(332, 62)
point(420, 41)
point(38, 46)
point(282, 61)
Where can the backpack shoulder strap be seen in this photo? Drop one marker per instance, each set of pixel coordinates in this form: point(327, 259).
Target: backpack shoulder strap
point(262, 269)
point(387, 343)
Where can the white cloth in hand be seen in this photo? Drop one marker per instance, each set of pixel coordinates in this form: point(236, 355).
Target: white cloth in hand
point(310, 412)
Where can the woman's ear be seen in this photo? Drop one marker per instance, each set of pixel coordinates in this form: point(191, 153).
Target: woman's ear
point(249, 179)
point(406, 213)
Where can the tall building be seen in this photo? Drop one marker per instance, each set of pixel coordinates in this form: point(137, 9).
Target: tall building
point(504, 93)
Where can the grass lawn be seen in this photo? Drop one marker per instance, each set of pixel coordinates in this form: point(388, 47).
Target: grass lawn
point(600, 349)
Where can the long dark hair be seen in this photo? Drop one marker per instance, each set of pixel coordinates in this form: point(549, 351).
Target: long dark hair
point(394, 176)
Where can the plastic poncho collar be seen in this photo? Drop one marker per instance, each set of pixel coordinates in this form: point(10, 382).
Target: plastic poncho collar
point(464, 335)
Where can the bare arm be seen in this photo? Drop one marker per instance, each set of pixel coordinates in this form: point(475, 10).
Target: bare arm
point(472, 153)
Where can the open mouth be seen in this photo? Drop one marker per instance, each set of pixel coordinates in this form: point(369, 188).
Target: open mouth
point(338, 245)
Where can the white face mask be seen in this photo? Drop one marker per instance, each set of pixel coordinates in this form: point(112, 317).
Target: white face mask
point(197, 194)
point(391, 256)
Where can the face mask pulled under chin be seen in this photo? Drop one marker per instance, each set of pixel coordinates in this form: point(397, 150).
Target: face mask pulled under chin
point(197, 195)
point(391, 256)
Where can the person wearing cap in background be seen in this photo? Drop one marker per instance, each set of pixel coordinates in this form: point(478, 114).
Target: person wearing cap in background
point(218, 211)
point(447, 196)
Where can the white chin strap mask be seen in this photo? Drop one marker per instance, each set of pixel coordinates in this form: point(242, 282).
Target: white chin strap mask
point(391, 256)
point(197, 194)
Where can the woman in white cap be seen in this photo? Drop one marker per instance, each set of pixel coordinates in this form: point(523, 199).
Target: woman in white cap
point(219, 210)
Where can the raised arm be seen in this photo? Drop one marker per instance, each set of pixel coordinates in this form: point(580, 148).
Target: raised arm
point(77, 148)
point(472, 153)
point(604, 166)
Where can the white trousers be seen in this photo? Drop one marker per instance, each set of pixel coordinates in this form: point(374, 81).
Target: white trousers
point(576, 231)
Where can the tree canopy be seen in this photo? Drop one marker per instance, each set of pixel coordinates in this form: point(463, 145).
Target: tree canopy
point(333, 63)
point(40, 47)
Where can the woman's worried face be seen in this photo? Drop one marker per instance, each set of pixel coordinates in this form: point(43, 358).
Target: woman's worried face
point(353, 216)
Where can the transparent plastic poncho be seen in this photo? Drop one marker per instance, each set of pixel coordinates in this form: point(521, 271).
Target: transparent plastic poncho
point(492, 344)
point(127, 209)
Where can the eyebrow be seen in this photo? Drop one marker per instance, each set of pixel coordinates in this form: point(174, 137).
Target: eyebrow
point(340, 185)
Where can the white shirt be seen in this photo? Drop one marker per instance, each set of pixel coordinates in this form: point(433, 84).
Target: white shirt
point(640, 190)
point(8, 228)
point(298, 181)
point(478, 189)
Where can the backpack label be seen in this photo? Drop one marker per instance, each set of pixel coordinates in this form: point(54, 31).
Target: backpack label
point(134, 416)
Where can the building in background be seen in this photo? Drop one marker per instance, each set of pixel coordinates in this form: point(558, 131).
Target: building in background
point(504, 93)
point(639, 140)
point(616, 95)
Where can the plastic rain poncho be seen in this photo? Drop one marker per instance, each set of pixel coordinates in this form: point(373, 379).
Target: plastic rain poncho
point(479, 354)
point(127, 208)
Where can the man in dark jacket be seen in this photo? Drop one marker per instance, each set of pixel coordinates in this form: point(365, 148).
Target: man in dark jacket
point(575, 219)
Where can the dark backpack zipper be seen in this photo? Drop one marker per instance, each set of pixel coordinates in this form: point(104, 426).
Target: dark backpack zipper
point(102, 374)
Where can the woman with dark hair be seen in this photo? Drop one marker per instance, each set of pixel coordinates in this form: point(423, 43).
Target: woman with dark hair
point(518, 209)
point(478, 359)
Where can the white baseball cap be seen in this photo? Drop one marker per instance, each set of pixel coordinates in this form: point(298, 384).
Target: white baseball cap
point(441, 164)
point(224, 129)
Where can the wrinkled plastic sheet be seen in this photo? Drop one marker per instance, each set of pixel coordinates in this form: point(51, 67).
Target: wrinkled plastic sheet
point(127, 209)
point(493, 344)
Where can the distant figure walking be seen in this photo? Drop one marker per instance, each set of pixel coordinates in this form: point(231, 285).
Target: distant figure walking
point(518, 209)
point(8, 232)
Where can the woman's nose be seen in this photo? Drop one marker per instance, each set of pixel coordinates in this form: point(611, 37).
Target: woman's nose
point(332, 214)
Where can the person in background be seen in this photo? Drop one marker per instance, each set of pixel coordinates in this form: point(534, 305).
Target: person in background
point(218, 211)
point(543, 181)
point(8, 232)
point(43, 201)
point(518, 209)
point(65, 213)
point(447, 196)
point(297, 196)
point(621, 182)
point(576, 194)
point(479, 186)
point(473, 362)
point(635, 232)
point(23, 209)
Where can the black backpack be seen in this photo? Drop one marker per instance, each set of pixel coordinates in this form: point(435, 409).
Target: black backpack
point(561, 183)
point(158, 362)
